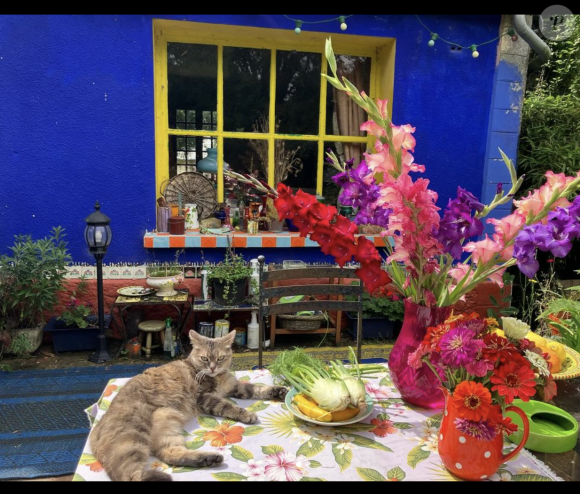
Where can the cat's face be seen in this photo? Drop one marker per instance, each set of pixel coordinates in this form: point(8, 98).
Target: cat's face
point(213, 356)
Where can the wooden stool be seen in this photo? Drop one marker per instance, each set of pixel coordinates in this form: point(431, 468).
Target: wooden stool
point(148, 328)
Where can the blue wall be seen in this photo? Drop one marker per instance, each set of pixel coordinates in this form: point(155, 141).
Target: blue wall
point(77, 120)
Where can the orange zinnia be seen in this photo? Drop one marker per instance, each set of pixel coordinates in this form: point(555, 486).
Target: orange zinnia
point(472, 400)
point(224, 434)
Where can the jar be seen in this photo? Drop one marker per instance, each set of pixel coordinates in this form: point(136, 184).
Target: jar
point(241, 335)
point(220, 214)
point(177, 225)
point(163, 215)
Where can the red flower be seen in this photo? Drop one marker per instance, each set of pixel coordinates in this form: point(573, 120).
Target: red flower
point(341, 247)
point(345, 227)
point(373, 276)
point(320, 212)
point(502, 424)
point(323, 233)
point(383, 427)
point(303, 199)
point(302, 222)
point(550, 389)
point(472, 400)
point(498, 347)
point(512, 381)
point(366, 252)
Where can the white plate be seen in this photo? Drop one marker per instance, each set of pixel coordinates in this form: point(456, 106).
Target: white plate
point(363, 414)
point(135, 291)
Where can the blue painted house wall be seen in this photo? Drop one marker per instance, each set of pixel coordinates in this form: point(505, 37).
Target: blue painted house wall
point(77, 115)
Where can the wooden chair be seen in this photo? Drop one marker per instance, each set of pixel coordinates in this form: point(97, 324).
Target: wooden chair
point(271, 293)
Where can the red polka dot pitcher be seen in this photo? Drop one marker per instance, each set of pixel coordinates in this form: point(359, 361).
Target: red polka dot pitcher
point(468, 457)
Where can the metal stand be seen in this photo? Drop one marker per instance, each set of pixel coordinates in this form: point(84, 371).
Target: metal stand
point(101, 355)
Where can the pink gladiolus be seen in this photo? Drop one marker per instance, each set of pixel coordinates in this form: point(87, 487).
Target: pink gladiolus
point(484, 250)
point(506, 230)
point(460, 271)
point(373, 128)
point(402, 137)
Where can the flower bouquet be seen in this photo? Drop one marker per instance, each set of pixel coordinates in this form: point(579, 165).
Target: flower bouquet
point(433, 259)
point(481, 373)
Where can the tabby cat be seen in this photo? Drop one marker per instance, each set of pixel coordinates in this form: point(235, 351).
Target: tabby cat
point(148, 415)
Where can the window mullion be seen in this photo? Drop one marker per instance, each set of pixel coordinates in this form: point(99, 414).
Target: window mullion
point(220, 123)
point(272, 120)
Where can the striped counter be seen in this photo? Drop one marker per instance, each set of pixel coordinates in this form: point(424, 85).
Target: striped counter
point(238, 239)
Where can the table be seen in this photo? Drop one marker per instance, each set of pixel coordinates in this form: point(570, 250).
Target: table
point(181, 302)
point(396, 442)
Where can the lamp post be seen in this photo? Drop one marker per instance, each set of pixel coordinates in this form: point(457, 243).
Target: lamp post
point(98, 236)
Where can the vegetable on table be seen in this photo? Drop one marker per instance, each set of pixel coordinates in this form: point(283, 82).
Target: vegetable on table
point(310, 409)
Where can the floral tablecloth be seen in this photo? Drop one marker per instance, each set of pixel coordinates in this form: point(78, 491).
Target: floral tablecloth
point(396, 442)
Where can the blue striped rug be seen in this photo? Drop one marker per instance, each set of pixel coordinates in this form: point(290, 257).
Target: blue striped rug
point(43, 427)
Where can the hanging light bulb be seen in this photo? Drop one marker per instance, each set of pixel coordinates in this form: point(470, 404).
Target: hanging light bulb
point(431, 42)
point(343, 25)
point(474, 52)
point(297, 29)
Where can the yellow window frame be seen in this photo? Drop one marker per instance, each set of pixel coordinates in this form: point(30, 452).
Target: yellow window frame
point(381, 51)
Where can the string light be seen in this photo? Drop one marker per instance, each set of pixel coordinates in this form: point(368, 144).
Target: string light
point(473, 48)
point(299, 22)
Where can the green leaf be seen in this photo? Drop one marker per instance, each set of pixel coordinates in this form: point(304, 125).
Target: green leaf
point(207, 422)
point(244, 379)
point(493, 300)
point(104, 405)
point(312, 479)
point(272, 449)
point(383, 416)
point(402, 425)
point(310, 448)
point(370, 475)
point(184, 469)
point(87, 459)
point(528, 477)
point(329, 52)
point(416, 456)
point(507, 299)
point(78, 478)
point(252, 430)
point(434, 420)
point(199, 433)
point(366, 442)
point(228, 477)
point(385, 381)
point(242, 454)
point(257, 407)
point(343, 457)
point(315, 464)
point(396, 473)
point(335, 82)
point(228, 422)
point(356, 427)
point(195, 444)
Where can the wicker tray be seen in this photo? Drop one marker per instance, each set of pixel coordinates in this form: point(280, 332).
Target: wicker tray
point(301, 323)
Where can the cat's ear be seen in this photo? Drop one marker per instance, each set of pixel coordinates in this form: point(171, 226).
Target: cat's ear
point(229, 338)
point(195, 337)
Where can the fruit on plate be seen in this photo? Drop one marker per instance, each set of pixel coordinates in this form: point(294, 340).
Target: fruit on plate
point(311, 409)
point(345, 414)
point(537, 339)
point(558, 348)
point(554, 360)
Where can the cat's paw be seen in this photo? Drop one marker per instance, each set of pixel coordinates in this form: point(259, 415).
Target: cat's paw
point(279, 393)
point(212, 460)
point(248, 417)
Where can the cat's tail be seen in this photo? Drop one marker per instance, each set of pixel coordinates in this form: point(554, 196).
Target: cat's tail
point(123, 451)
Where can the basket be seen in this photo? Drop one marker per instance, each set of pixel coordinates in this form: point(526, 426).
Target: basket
point(301, 323)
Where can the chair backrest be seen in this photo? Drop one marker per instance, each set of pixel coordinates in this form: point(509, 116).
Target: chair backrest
point(332, 273)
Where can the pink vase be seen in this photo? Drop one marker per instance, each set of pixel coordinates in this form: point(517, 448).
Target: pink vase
point(417, 386)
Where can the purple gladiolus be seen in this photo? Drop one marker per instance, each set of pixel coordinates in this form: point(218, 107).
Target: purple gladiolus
point(469, 199)
point(557, 234)
point(499, 188)
point(525, 251)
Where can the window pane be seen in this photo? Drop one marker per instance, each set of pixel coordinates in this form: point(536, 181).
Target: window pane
point(183, 152)
point(246, 88)
point(245, 156)
point(296, 164)
point(343, 115)
point(192, 85)
point(345, 151)
point(297, 92)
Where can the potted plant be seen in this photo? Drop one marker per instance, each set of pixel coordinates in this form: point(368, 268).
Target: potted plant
point(382, 313)
point(163, 277)
point(229, 279)
point(78, 326)
point(275, 225)
point(30, 279)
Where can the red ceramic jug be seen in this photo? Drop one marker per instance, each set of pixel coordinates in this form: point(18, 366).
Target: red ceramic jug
point(470, 458)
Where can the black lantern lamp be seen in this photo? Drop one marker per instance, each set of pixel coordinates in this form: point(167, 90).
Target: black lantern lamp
point(98, 236)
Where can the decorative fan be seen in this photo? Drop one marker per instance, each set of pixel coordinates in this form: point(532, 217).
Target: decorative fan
point(194, 188)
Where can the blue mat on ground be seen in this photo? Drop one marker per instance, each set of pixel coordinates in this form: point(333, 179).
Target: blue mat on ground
point(43, 426)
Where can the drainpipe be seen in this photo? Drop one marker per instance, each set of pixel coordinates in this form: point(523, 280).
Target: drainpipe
point(532, 39)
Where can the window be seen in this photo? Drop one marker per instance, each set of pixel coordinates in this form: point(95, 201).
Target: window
point(257, 96)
